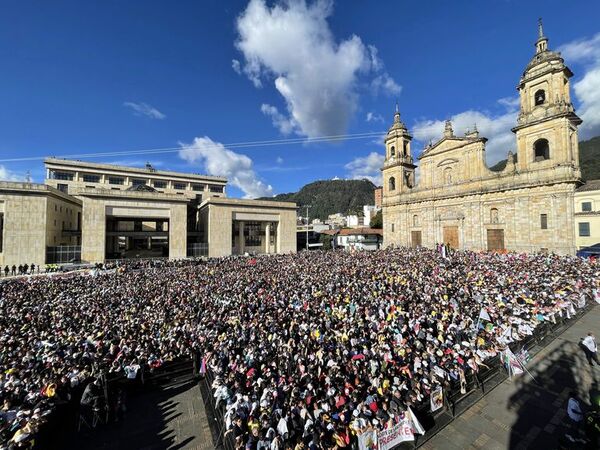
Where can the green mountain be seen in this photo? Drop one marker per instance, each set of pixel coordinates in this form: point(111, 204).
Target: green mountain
point(330, 196)
point(589, 159)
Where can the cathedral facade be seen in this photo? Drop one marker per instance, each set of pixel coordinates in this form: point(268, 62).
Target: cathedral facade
point(457, 200)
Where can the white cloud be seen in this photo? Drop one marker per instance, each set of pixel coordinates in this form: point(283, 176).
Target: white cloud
point(8, 175)
point(374, 117)
point(292, 45)
point(144, 109)
point(510, 103)
point(236, 66)
point(587, 89)
point(281, 122)
point(494, 127)
point(220, 161)
point(385, 84)
point(582, 50)
point(279, 160)
point(368, 167)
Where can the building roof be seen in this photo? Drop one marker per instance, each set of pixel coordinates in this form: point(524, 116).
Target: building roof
point(149, 170)
point(590, 185)
point(361, 231)
point(247, 203)
point(329, 232)
point(23, 187)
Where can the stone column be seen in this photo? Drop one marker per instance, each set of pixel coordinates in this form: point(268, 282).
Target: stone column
point(241, 241)
point(268, 238)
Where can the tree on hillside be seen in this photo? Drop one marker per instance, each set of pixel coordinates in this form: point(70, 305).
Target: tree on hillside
point(377, 220)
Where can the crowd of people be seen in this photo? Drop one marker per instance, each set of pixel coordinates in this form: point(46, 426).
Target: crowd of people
point(307, 350)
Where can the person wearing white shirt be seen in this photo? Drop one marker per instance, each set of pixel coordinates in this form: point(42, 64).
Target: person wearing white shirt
point(590, 348)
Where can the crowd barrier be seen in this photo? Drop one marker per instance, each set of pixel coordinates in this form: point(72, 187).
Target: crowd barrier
point(478, 384)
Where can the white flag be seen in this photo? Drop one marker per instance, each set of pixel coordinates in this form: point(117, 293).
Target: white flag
point(483, 315)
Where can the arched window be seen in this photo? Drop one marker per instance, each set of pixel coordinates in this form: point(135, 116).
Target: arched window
point(392, 151)
point(540, 97)
point(448, 175)
point(541, 150)
point(405, 148)
point(494, 215)
point(415, 220)
point(392, 184)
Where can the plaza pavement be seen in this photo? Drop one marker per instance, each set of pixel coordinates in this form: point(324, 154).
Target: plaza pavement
point(523, 413)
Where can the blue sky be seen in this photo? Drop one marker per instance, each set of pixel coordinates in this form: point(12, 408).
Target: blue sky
point(81, 77)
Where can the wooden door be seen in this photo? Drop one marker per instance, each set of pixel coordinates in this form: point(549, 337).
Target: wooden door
point(495, 240)
point(415, 238)
point(451, 236)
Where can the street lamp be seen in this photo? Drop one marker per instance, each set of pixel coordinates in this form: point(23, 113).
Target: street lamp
point(307, 206)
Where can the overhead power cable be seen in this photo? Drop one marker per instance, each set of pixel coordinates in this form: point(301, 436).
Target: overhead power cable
point(248, 144)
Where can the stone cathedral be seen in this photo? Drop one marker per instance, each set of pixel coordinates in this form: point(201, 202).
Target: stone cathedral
point(457, 200)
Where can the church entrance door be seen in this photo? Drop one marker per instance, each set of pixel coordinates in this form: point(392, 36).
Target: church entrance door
point(495, 240)
point(451, 236)
point(415, 239)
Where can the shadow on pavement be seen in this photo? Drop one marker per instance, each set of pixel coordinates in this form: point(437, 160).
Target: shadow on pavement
point(145, 424)
point(541, 403)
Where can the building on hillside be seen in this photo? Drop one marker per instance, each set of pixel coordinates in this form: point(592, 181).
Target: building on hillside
point(96, 212)
point(587, 218)
point(527, 207)
point(353, 221)
point(378, 194)
point(336, 220)
point(359, 239)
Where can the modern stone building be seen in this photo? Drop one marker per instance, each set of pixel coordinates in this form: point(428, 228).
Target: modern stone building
point(457, 200)
point(96, 212)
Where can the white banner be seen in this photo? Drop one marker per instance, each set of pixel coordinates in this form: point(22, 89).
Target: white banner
point(393, 436)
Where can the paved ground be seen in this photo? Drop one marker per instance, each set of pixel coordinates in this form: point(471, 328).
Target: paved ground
point(167, 418)
point(523, 413)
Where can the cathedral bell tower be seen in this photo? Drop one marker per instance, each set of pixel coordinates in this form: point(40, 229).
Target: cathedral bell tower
point(398, 168)
point(547, 124)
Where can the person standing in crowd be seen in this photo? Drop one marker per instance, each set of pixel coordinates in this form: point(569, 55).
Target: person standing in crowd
point(576, 415)
point(590, 348)
point(14, 270)
point(6, 271)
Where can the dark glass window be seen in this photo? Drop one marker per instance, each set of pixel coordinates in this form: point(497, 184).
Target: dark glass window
point(218, 189)
point(179, 186)
point(138, 182)
point(544, 221)
point(63, 188)
point(91, 178)
point(586, 206)
point(66, 176)
point(584, 229)
point(197, 187)
point(160, 184)
point(116, 180)
point(253, 234)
